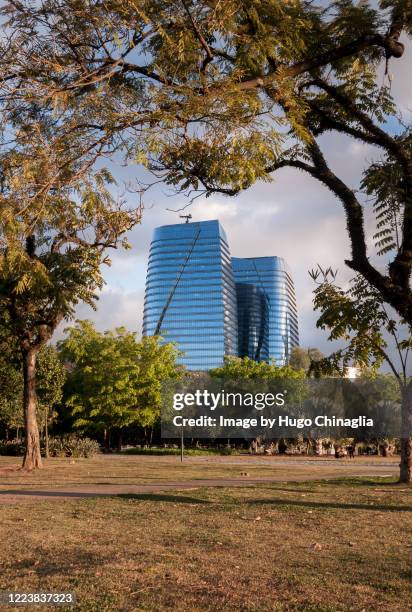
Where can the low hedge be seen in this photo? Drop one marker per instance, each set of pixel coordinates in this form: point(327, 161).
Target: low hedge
point(11, 448)
point(176, 451)
point(63, 446)
point(73, 446)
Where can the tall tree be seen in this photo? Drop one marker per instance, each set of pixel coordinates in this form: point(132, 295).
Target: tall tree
point(359, 317)
point(311, 94)
point(157, 365)
point(54, 234)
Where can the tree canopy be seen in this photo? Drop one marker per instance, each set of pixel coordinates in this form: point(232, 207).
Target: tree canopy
point(244, 368)
point(115, 380)
point(59, 215)
point(302, 359)
point(212, 96)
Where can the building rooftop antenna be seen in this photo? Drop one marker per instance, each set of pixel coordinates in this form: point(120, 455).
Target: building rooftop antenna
point(187, 217)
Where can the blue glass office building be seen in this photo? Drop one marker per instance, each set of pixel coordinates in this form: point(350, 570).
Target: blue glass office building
point(267, 312)
point(190, 293)
point(213, 305)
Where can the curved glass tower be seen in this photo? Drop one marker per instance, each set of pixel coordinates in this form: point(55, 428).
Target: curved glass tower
point(190, 293)
point(213, 305)
point(279, 324)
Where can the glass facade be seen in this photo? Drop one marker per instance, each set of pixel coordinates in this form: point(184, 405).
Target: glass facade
point(212, 305)
point(267, 312)
point(190, 293)
point(253, 322)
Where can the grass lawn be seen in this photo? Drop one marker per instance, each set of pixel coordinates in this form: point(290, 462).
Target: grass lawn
point(319, 545)
point(123, 469)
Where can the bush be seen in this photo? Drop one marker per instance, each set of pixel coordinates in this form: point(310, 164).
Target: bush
point(227, 450)
point(12, 448)
point(191, 452)
point(73, 446)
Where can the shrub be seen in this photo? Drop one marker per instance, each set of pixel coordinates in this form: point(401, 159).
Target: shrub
point(73, 446)
point(226, 451)
point(192, 452)
point(12, 448)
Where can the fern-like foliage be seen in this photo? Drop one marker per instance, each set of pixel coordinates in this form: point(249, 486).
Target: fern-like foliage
point(383, 182)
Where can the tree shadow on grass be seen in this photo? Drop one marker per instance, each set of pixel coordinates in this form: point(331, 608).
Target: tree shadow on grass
point(291, 489)
point(162, 497)
point(330, 505)
point(41, 493)
point(88, 494)
point(382, 481)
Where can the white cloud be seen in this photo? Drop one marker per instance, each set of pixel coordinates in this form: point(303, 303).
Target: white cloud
point(115, 308)
point(223, 210)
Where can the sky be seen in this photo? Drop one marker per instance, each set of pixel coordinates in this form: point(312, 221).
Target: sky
point(293, 217)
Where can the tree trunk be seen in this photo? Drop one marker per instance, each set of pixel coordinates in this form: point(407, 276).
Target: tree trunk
point(406, 436)
point(32, 456)
point(46, 435)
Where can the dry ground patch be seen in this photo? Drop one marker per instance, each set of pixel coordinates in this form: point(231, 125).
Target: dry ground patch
point(324, 546)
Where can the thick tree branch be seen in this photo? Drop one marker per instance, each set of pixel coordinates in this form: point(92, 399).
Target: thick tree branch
point(401, 267)
point(392, 47)
point(330, 123)
point(392, 293)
